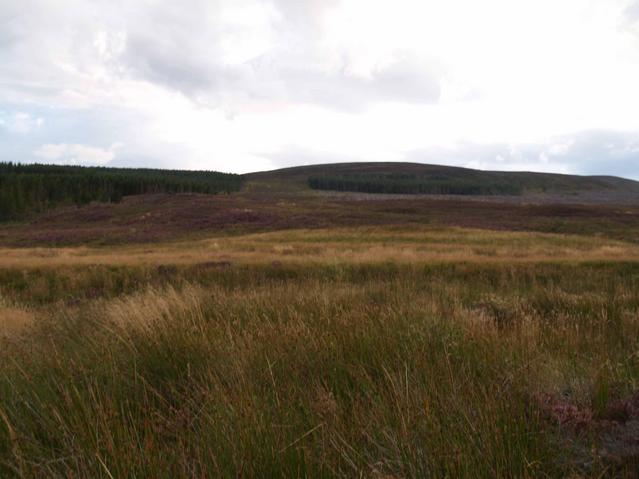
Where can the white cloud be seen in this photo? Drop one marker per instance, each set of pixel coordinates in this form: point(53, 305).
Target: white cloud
point(596, 152)
point(239, 85)
point(75, 154)
point(561, 148)
point(20, 122)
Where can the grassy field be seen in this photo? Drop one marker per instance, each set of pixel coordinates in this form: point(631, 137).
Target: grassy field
point(377, 351)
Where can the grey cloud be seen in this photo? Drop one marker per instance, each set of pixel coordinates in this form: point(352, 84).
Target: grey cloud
point(176, 47)
point(630, 19)
point(632, 12)
point(49, 51)
point(408, 81)
point(595, 152)
point(601, 152)
point(44, 48)
point(182, 51)
point(401, 81)
point(296, 66)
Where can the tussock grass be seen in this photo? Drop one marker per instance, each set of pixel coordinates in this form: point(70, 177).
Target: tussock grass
point(14, 320)
point(318, 370)
point(404, 245)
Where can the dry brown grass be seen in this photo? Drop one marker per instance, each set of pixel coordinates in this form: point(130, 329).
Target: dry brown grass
point(361, 352)
point(406, 374)
point(354, 245)
point(141, 312)
point(14, 320)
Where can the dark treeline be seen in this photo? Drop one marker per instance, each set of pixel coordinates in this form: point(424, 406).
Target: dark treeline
point(27, 189)
point(412, 184)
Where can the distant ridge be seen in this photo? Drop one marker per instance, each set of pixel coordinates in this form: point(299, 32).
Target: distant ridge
point(503, 182)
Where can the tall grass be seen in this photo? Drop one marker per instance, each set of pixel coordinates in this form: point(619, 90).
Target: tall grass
point(343, 371)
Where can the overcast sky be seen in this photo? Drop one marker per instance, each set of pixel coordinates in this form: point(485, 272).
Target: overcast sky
point(244, 85)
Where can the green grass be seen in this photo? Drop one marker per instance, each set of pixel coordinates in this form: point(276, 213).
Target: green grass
point(316, 371)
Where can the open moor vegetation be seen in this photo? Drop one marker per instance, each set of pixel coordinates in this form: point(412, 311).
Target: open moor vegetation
point(282, 331)
point(305, 354)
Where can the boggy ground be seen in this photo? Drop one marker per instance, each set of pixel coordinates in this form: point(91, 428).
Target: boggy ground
point(280, 332)
point(158, 218)
point(378, 351)
point(356, 245)
point(281, 199)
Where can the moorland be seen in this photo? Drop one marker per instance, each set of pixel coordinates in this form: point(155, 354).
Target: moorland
point(412, 321)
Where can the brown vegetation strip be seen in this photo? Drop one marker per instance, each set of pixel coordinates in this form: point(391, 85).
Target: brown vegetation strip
point(153, 218)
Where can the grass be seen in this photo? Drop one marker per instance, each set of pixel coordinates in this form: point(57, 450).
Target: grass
point(269, 206)
point(362, 245)
point(376, 352)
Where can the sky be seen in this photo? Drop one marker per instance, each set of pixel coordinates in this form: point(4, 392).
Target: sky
point(248, 85)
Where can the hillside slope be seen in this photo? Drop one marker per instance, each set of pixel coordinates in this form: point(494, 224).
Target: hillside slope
point(525, 183)
point(282, 199)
